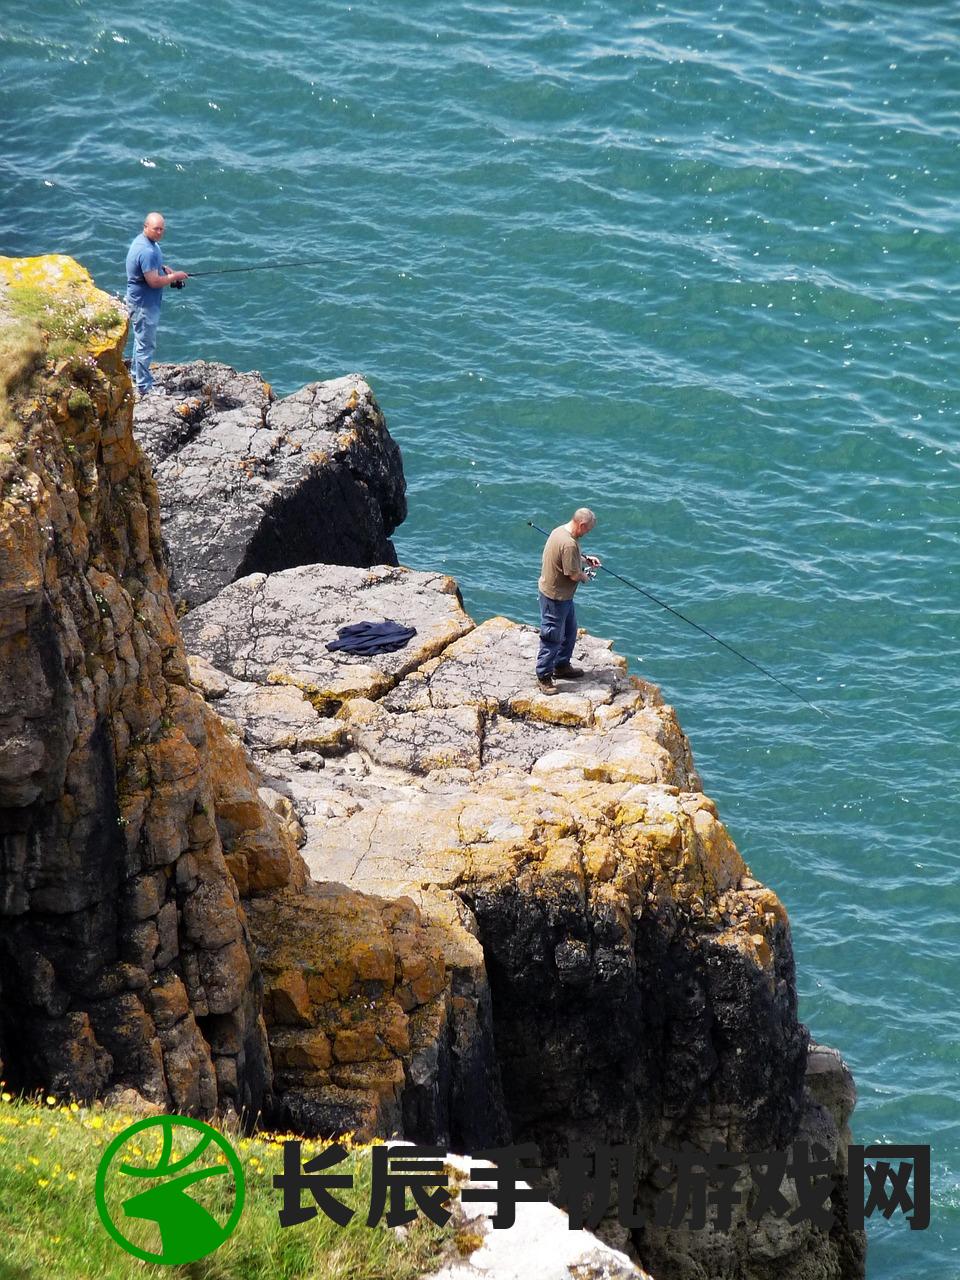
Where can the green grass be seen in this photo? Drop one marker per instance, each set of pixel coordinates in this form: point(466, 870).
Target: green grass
point(66, 322)
point(39, 326)
point(21, 349)
point(49, 1225)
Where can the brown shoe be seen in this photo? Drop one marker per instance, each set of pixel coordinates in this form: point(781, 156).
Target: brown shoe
point(545, 685)
point(566, 671)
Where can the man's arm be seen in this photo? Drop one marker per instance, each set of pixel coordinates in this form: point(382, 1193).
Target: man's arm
point(157, 279)
point(571, 564)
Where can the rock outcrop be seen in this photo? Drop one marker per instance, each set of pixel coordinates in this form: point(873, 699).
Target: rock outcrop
point(125, 958)
point(154, 904)
point(249, 483)
point(401, 894)
point(639, 981)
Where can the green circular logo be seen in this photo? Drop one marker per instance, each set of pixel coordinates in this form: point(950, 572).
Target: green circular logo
point(171, 1154)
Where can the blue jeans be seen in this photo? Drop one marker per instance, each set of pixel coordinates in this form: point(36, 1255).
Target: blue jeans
point(558, 634)
point(145, 324)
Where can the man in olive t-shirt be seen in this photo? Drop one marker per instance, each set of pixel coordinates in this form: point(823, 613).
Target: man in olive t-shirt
point(561, 573)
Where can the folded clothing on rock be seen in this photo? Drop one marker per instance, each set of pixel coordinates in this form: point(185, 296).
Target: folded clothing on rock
point(372, 637)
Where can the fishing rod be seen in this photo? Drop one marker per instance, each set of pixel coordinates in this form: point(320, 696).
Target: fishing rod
point(691, 623)
point(262, 266)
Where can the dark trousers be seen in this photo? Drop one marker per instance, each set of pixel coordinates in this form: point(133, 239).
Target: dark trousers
point(558, 634)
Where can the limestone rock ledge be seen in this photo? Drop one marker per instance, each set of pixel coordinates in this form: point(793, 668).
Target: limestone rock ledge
point(636, 980)
point(249, 483)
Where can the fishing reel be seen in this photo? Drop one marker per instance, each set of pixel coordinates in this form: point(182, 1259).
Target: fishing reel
point(178, 284)
point(589, 570)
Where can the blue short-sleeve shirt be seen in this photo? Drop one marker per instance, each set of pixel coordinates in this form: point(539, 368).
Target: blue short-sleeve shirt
point(143, 255)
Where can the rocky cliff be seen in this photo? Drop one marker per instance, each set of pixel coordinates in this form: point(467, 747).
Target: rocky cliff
point(249, 483)
point(401, 894)
point(638, 980)
point(125, 958)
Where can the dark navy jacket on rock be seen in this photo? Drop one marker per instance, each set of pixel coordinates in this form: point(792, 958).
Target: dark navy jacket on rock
point(372, 637)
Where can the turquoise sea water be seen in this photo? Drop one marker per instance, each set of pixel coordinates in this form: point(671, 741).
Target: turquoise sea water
point(694, 265)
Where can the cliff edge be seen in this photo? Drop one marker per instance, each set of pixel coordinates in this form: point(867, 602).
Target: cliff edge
point(125, 960)
point(401, 894)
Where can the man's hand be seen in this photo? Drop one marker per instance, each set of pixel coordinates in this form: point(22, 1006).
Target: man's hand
point(157, 279)
point(593, 561)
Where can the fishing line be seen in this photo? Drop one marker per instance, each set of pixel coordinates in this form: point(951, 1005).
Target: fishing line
point(690, 623)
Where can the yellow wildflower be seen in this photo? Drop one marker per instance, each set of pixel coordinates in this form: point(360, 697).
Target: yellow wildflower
point(51, 1100)
point(43, 1182)
point(34, 1161)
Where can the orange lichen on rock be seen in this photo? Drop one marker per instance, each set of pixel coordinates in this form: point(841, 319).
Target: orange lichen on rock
point(125, 922)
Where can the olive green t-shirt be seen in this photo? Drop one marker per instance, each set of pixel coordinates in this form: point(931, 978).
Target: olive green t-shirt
point(561, 558)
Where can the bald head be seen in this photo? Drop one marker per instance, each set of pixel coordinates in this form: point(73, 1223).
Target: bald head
point(582, 521)
point(153, 226)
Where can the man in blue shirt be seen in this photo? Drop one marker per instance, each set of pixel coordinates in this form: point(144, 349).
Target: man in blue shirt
point(147, 278)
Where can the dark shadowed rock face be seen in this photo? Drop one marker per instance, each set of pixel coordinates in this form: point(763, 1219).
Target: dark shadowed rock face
point(249, 483)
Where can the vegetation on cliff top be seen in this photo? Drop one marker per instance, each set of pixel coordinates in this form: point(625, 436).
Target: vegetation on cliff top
point(66, 319)
point(49, 1153)
point(44, 321)
point(21, 349)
